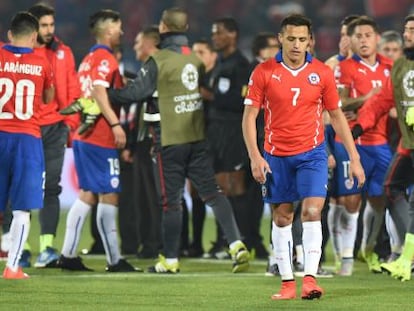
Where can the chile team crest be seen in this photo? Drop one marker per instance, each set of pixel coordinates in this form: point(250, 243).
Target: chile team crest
point(314, 78)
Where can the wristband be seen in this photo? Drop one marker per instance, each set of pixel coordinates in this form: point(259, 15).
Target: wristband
point(115, 124)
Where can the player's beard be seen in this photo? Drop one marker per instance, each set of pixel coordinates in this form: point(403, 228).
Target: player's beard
point(45, 39)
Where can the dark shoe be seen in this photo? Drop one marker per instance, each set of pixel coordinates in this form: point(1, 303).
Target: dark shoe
point(122, 266)
point(72, 264)
point(24, 261)
point(272, 270)
point(195, 252)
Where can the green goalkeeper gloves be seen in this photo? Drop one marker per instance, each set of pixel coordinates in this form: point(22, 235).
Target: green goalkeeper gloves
point(89, 109)
point(409, 117)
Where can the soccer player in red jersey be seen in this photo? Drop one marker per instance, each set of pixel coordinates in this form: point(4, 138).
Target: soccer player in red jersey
point(360, 77)
point(294, 89)
point(25, 83)
point(96, 154)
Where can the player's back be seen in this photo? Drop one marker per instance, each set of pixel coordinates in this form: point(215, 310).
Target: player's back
point(24, 76)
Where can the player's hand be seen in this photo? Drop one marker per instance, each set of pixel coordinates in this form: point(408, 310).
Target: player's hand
point(260, 168)
point(86, 105)
point(409, 117)
point(356, 170)
point(88, 121)
point(344, 46)
point(119, 135)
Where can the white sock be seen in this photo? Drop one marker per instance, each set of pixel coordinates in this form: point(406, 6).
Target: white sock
point(5, 241)
point(372, 225)
point(312, 246)
point(349, 226)
point(282, 245)
point(334, 218)
point(299, 254)
point(19, 231)
point(106, 221)
point(395, 242)
point(272, 257)
point(74, 224)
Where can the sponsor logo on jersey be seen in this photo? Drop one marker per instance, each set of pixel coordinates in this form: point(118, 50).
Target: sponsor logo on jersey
point(277, 77)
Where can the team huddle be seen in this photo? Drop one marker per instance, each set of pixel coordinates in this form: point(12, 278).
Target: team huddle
point(295, 120)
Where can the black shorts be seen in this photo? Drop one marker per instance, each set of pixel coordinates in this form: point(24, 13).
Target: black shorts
point(227, 148)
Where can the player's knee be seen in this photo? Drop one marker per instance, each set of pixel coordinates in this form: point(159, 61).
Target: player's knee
point(311, 213)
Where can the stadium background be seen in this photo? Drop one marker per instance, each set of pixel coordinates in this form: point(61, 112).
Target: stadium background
point(253, 16)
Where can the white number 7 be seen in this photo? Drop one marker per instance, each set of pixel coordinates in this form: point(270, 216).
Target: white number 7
point(296, 90)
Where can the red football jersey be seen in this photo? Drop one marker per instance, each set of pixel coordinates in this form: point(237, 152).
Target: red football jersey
point(293, 101)
point(360, 78)
point(23, 78)
point(99, 67)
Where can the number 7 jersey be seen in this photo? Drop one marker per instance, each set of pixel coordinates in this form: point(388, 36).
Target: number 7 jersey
point(293, 101)
point(23, 78)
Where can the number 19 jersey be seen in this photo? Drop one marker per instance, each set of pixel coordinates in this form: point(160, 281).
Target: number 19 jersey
point(293, 101)
point(23, 78)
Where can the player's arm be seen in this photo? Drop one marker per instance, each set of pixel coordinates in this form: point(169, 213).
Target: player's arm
point(341, 128)
point(252, 104)
point(340, 125)
point(350, 104)
point(137, 90)
point(373, 109)
point(101, 97)
point(258, 164)
point(48, 95)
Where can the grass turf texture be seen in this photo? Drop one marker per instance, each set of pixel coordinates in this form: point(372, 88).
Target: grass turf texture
point(201, 285)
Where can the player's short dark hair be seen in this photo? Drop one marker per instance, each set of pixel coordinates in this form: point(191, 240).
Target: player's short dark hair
point(296, 20)
point(229, 23)
point(23, 23)
point(41, 9)
point(361, 21)
point(261, 41)
point(152, 32)
point(408, 18)
point(348, 19)
point(206, 42)
point(102, 16)
point(176, 19)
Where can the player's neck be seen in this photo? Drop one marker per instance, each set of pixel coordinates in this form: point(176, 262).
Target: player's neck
point(370, 60)
point(22, 43)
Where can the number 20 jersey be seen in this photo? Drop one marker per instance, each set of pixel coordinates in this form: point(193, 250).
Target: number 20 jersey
point(293, 101)
point(23, 78)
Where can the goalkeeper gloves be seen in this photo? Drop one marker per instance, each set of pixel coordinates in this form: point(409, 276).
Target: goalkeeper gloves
point(409, 117)
point(89, 109)
point(85, 105)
